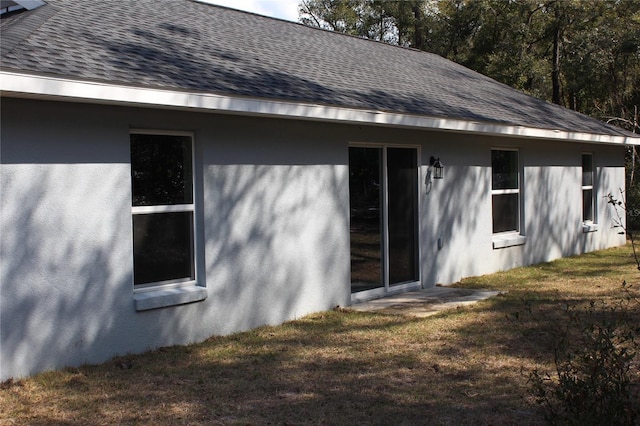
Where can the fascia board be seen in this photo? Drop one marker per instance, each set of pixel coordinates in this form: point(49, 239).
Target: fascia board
point(13, 84)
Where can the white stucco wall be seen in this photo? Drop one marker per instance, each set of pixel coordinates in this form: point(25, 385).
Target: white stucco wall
point(458, 208)
point(272, 223)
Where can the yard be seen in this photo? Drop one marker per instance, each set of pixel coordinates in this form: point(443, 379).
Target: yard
point(463, 366)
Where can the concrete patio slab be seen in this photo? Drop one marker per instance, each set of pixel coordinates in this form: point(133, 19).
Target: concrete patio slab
point(426, 302)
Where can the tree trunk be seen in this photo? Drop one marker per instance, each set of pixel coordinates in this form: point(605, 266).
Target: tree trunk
point(555, 71)
point(418, 30)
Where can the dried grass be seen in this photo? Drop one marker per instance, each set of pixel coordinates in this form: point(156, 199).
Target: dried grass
point(463, 366)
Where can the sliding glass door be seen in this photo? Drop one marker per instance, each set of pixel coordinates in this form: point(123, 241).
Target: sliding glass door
point(366, 204)
point(402, 214)
point(383, 196)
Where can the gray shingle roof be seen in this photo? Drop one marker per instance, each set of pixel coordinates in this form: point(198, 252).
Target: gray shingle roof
point(186, 45)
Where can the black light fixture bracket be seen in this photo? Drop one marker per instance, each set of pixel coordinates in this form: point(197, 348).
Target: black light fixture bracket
point(437, 167)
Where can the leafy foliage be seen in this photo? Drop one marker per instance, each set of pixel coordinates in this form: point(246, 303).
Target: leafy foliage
point(595, 378)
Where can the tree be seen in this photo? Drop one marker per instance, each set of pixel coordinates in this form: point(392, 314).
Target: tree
point(335, 15)
point(401, 22)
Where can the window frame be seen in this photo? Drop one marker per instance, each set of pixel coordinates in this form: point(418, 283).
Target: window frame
point(508, 191)
point(169, 208)
point(592, 220)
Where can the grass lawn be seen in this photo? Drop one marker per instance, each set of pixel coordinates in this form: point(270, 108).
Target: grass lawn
point(462, 366)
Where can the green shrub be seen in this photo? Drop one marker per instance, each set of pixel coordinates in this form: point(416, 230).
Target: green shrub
point(595, 380)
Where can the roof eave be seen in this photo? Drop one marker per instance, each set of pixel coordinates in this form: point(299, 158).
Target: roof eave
point(15, 84)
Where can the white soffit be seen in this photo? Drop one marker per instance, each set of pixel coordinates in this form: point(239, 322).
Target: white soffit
point(55, 88)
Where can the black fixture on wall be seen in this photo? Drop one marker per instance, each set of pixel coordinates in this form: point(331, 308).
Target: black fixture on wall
point(437, 167)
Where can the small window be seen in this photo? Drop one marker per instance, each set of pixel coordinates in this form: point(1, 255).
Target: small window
point(505, 191)
point(162, 209)
point(588, 208)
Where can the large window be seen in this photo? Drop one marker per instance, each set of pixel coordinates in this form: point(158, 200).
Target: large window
point(587, 188)
point(162, 208)
point(505, 190)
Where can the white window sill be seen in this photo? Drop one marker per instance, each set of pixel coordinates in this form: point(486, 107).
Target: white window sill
point(589, 227)
point(504, 241)
point(168, 297)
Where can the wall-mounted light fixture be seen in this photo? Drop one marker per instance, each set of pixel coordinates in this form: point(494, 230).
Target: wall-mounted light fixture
point(437, 167)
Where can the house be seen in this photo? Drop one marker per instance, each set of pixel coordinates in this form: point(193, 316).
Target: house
point(174, 172)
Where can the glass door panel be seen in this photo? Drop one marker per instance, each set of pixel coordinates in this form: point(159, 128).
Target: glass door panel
point(365, 202)
point(402, 216)
point(383, 197)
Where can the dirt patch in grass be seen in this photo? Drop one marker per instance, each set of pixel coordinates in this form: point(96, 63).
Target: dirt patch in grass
point(462, 366)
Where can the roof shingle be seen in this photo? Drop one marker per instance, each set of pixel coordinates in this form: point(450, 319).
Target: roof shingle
point(187, 45)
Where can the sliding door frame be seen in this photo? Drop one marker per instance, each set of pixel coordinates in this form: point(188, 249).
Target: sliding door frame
point(388, 288)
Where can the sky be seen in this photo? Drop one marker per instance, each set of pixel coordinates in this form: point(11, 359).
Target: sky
point(283, 9)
